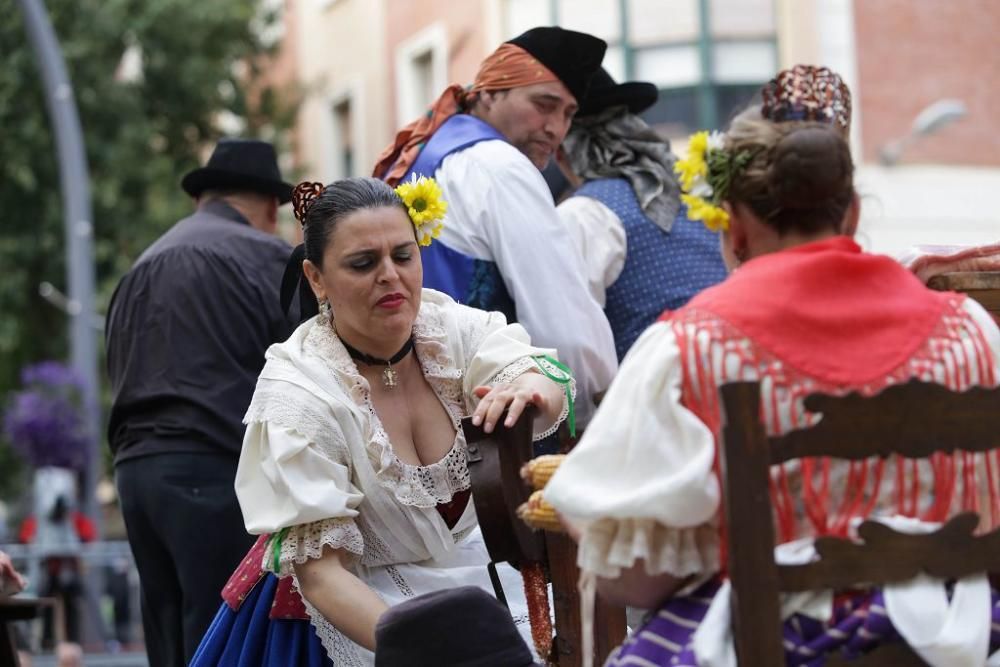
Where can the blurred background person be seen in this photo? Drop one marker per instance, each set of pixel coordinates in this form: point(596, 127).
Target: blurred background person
point(186, 333)
point(502, 247)
point(779, 187)
point(642, 253)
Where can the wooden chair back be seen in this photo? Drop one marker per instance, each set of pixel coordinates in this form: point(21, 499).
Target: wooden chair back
point(14, 609)
point(983, 286)
point(495, 462)
point(913, 420)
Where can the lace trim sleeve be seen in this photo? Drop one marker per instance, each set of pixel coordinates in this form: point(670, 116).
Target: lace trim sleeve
point(304, 542)
point(609, 545)
point(291, 407)
point(530, 365)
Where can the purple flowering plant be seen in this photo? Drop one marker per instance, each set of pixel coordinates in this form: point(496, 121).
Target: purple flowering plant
point(44, 421)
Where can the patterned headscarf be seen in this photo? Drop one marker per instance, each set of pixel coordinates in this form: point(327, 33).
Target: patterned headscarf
point(508, 67)
point(617, 144)
point(807, 92)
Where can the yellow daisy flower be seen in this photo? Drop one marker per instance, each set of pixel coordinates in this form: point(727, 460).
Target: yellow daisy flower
point(694, 166)
point(713, 217)
point(426, 206)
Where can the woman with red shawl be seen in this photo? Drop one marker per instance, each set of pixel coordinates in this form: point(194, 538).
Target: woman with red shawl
point(804, 311)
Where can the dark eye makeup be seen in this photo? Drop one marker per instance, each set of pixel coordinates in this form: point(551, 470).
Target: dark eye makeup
point(365, 261)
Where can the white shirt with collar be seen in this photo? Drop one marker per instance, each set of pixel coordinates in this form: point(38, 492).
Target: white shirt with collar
point(600, 237)
point(500, 210)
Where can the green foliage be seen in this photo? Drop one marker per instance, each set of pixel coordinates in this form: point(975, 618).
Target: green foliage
point(722, 167)
point(198, 59)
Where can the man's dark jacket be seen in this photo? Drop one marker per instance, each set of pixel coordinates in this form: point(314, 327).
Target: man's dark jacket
point(186, 334)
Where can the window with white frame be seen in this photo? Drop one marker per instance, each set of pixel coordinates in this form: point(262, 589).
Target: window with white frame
point(421, 72)
point(343, 154)
point(708, 57)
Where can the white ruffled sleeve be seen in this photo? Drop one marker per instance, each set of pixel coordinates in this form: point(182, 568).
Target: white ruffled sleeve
point(500, 353)
point(640, 482)
point(293, 478)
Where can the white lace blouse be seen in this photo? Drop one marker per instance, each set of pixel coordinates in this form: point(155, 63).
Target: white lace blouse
point(317, 463)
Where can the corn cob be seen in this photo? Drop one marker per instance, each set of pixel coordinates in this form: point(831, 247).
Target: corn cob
point(538, 514)
point(537, 471)
point(536, 593)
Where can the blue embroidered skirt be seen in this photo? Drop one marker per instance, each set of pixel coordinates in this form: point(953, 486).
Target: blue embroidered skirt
point(250, 638)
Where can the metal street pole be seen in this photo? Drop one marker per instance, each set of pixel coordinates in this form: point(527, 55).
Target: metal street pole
point(75, 185)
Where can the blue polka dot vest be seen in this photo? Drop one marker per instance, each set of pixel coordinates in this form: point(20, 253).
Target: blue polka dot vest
point(662, 271)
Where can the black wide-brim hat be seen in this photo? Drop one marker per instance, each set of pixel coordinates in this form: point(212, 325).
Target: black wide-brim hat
point(604, 93)
point(574, 57)
point(458, 627)
point(240, 164)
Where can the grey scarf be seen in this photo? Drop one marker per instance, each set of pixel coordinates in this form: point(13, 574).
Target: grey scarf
point(619, 144)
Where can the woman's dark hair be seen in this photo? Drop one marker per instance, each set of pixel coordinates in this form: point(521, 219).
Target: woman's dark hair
point(319, 208)
point(336, 201)
point(800, 177)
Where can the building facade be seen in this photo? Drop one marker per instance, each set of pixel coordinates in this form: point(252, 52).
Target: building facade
point(370, 66)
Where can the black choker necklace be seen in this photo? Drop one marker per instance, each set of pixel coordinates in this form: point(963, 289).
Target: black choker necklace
point(389, 377)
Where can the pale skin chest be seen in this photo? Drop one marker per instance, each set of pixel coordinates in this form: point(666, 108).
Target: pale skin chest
point(419, 427)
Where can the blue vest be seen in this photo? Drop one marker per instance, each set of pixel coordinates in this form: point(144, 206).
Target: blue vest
point(662, 271)
point(474, 282)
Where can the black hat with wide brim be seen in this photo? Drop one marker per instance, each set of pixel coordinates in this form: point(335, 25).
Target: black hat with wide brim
point(460, 627)
point(240, 164)
point(574, 57)
point(604, 93)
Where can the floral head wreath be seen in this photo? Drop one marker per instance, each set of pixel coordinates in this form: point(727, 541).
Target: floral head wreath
point(706, 174)
point(426, 206)
point(801, 93)
point(421, 196)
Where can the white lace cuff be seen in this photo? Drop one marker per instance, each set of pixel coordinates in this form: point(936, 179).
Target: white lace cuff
point(530, 365)
point(609, 545)
point(300, 543)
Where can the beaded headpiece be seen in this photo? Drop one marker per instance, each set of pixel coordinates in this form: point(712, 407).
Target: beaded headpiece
point(802, 93)
point(807, 92)
point(303, 195)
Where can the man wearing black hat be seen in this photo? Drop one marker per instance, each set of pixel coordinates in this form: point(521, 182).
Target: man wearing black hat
point(503, 246)
point(187, 330)
point(643, 255)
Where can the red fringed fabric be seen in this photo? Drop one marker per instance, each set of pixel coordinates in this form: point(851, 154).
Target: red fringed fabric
point(926, 335)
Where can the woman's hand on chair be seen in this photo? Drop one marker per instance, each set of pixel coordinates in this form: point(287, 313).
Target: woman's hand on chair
point(527, 389)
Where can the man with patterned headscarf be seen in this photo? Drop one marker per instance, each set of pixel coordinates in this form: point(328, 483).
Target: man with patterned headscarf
point(643, 255)
point(503, 246)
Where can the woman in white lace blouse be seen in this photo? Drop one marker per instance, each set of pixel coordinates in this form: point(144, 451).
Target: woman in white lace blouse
point(353, 467)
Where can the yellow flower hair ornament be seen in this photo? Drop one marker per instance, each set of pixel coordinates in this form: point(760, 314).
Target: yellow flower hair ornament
point(426, 206)
point(705, 175)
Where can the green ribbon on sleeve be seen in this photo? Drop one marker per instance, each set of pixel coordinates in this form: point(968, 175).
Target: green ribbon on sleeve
point(276, 540)
point(559, 373)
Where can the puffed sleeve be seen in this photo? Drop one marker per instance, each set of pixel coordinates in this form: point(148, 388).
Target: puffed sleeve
point(293, 478)
point(641, 482)
point(497, 352)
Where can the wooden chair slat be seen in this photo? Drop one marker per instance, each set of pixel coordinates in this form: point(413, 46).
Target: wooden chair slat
point(494, 469)
point(888, 556)
point(17, 609)
point(913, 420)
point(983, 286)
point(495, 462)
